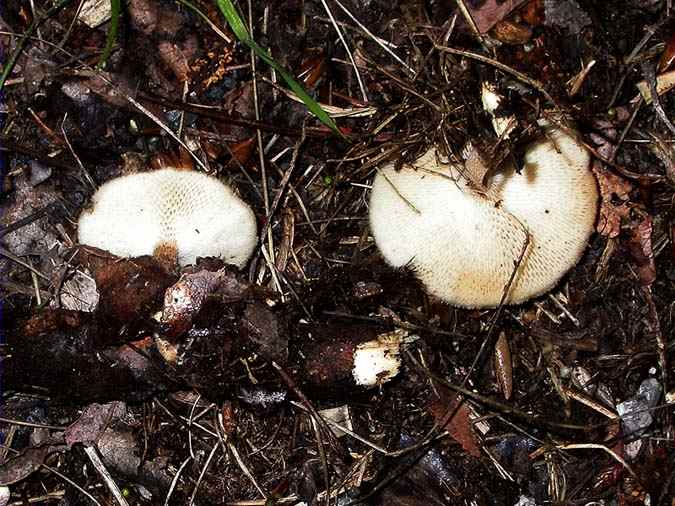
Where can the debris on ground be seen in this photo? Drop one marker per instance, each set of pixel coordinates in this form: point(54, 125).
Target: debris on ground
point(317, 370)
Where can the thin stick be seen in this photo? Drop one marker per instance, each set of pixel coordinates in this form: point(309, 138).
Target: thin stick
point(16, 259)
point(245, 469)
point(125, 96)
point(586, 446)
point(12, 421)
point(107, 477)
point(71, 482)
point(87, 176)
point(470, 21)
point(201, 475)
point(7, 69)
point(410, 204)
point(347, 49)
point(282, 185)
point(175, 480)
point(66, 36)
point(261, 151)
point(505, 68)
point(375, 39)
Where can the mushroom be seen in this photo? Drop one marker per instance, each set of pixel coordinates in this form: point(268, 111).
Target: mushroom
point(175, 215)
point(467, 243)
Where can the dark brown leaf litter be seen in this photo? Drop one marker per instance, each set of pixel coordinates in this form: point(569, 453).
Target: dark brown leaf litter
point(226, 395)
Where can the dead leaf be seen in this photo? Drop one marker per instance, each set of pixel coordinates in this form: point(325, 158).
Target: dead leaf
point(149, 16)
point(475, 167)
point(34, 238)
point(665, 151)
point(94, 12)
point(512, 33)
point(504, 366)
point(664, 83)
point(460, 426)
point(615, 205)
point(242, 150)
point(23, 465)
point(262, 327)
point(130, 289)
point(93, 422)
point(312, 69)
point(566, 14)
point(77, 293)
point(491, 12)
point(640, 246)
point(668, 55)
point(79, 89)
point(178, 56)
point(533, 12)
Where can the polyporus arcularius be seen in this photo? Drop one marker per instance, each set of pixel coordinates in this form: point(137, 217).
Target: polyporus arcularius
point(464, 242)
point(173, 214)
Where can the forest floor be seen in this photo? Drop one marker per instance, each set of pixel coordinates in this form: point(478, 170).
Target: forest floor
point(245, 395)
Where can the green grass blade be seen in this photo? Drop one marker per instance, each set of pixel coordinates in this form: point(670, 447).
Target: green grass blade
point(115, 10)
point(239, 28)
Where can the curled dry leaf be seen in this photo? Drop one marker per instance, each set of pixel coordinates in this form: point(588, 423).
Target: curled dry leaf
point(504, 366)
point(184, 300)
point(130, 290)
point(615, 204)
point(640, 246)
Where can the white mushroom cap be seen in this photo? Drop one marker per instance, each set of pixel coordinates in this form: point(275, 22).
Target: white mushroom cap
point(463, 244)
point(194, 213)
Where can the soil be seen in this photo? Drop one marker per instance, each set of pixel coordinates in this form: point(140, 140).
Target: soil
point(132, 380)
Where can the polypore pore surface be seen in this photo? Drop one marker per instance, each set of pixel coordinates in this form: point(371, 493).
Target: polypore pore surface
point(464, 244)
point(196, 214)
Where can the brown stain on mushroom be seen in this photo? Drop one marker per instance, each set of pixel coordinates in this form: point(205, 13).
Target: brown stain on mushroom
point(166, 253)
